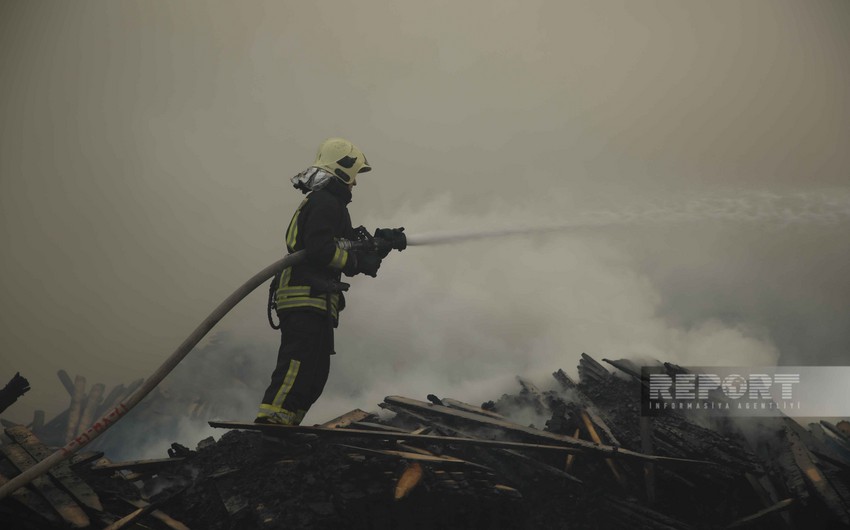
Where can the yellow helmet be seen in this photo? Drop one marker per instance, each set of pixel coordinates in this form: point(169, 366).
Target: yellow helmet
point(341, 158)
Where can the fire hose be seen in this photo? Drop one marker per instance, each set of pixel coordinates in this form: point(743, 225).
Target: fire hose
point(112, 416)
point(364, 242)
point(395, 240)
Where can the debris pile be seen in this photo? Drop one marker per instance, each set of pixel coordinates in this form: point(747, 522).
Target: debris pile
point(592, 462)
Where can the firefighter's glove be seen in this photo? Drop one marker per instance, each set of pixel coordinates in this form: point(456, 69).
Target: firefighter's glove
point(394, 238)
point(368, 263)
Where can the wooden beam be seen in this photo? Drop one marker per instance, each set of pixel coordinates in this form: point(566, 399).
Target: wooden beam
point(30, 499)
point(81, 459)
point(37, 420)
point(516, 431)
point(460, 405)
point(58, 499)
point(66, 382)
point(110, 397)
point(624, 367)
point(91, 405)
point(408, 480)
point(571, 458)
point(779, 506)
point(807, 463)
point(346, 419)
point(531, 390)
point(141, 466)
point(129, 518)
point(588, 366)
point(417, 457)
point(527, 461)
point(646, 446)
point(76, 408)
point(596, 416)
point(591, 430)
point(767, 495)
point(369, 426)
point(62, 473)
point(166, 519)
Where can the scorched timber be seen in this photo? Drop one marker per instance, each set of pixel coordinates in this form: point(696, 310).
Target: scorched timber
point(566, 443)
point(584, 447)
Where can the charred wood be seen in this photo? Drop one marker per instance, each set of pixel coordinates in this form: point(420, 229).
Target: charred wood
point(15, 388)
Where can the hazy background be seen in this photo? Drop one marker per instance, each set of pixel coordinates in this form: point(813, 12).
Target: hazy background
point(146, 147)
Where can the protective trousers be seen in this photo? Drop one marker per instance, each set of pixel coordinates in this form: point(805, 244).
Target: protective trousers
point(303, 364)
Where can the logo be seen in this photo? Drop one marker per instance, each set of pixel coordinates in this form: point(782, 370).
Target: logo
point(759, 391)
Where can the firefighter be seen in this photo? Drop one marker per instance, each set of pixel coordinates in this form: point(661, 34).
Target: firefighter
point(308, 297)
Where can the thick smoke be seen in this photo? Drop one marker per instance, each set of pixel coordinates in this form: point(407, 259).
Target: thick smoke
point(463, 320)
point(146, 148)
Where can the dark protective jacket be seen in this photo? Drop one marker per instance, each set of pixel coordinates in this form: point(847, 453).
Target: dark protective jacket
point(319, 221)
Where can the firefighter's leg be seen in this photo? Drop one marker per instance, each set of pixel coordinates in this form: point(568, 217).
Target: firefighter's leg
point(301, 362)
point(317, 385)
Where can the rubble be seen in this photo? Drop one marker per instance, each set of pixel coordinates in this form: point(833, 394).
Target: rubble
point(14, 389)
point(593, 463)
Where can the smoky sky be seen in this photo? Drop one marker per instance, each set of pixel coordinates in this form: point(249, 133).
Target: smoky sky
point(145, 151)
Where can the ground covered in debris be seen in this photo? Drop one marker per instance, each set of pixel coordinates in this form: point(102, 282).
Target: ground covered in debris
point(236, 483)
point(590, 461)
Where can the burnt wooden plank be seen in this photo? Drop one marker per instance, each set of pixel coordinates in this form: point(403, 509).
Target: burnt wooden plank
point(81, 459)
point(841, 435)
point(807, 463)
point(129, 519)
point(766, 493)
point(408, 480)
point(415, 456)
point(37, 420)
point(837, 445)
point(571, 459)
point(90, 406)
point(648, 468)
point(346, 419)
point(588, 367)
point(642, 517)
point(821, 445)
point(591, 430)
point(599, 418)
point(76, 408)
point(779, 506)
point(527, 461)
point(17, 387)
point(64, 505)
point(61, 472)
point(625, 366)
point(460, 405)
point(521, 432)
point(65, 379)
point(141, 466)
point(413, 448)
point(58, 422)
point(563, 449)
point(110, 397)
point(530, 389)
point(163, 517)
point(369, 426)
point(27, 497)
